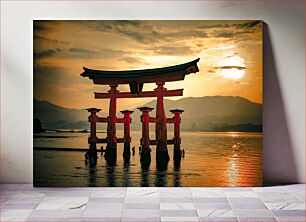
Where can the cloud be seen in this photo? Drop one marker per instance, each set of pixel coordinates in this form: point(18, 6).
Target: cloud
point(132, 60)
point(215, 26)
point(38, 26)
point(42, 29)
point(145, 33)
point(46, 53)
point(82, 50)
point(112, 25)
point(232, 67)
point(133, 29)
point(173, 50)
point(46, 25)
point(231, 30)
point(185, 34)
point(231, 34)
point(43, 38)
point(243, 83)
point(231, 55)
point(82, 53)
point(113, 53)
point(226, 35)
point(140, 37)
point(233, 25)
point(104, 53)
point(48, 70)
point(248, 24)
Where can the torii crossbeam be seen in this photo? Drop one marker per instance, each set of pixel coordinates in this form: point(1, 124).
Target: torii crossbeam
point(177, 92)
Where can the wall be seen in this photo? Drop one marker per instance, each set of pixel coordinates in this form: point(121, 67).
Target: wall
point(284, 73)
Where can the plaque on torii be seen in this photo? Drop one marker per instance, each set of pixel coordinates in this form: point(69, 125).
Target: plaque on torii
point(136, 79)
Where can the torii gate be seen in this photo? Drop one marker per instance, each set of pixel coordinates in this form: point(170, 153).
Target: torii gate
point(136, 80)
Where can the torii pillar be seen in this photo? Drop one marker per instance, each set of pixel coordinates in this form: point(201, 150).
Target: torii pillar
point(162, 156)
point(145, 158)
point(92, 140)
point(111, 148)
point(177, 153)
point(127, 136)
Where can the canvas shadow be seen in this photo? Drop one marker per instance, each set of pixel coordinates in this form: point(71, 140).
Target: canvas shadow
point(278, 160)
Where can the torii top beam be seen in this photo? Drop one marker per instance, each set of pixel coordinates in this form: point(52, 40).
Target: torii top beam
point(136, 78)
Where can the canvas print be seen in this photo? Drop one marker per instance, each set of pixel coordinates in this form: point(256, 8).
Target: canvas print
point(147, 103)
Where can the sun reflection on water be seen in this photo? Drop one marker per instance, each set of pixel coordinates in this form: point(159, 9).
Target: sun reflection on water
point(232, 134)
point(233, 171)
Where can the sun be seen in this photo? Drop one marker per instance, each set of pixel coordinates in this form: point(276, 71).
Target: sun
point(232, 73)
point(231, 68)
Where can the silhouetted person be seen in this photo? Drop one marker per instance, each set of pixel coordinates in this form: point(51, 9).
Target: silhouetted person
point(183, 153)
point(140, 149)
point(102, 150)
point(86, 155)
point(133, 150)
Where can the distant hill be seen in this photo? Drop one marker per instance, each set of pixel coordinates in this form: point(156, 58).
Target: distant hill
point(209, 113)
point(58, 117)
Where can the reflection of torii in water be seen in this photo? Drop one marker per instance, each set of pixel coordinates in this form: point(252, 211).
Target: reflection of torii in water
point(136, 79)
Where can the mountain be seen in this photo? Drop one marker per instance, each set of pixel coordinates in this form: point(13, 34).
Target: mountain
point(57, 117)
point(209, 113)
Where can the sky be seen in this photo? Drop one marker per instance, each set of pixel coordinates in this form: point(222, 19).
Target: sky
point(230, 55)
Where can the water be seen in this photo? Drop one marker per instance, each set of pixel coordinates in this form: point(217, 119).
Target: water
point(211, 159)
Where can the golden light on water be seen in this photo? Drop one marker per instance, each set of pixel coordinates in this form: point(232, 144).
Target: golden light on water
point(232, 172)
point(233, 134)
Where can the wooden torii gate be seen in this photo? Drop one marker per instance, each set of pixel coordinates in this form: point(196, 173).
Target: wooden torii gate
point(136, 80)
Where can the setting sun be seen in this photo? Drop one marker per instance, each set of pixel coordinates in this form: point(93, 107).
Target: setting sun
point(232, 73)
point(232, 68)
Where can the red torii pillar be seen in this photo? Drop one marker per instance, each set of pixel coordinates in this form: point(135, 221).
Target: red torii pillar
point(145, 158)
point(162, 156)
point(111, 148)
point(127, 136)
point(92, 140)
point(177, 154)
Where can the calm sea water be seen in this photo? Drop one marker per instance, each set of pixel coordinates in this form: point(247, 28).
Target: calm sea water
point(211, 159)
